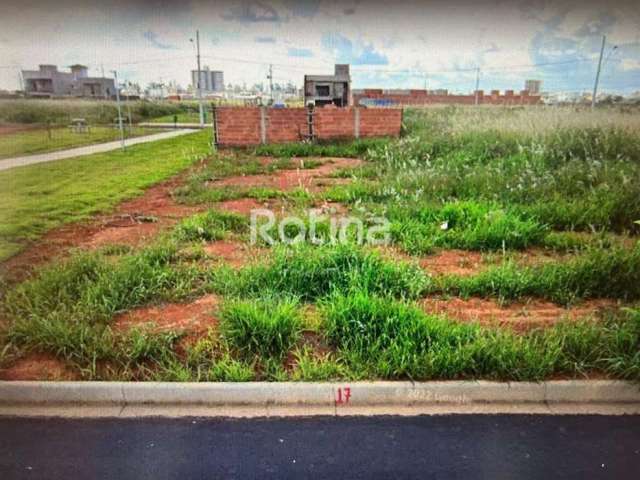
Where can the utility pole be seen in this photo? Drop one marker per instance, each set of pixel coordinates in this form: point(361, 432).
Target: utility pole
point(115, 75)
point(102, 71)
point(595, 85)
point(425, 81)
point(198, 88)
point(270, 77)
point(477, 84)
point(129, 105)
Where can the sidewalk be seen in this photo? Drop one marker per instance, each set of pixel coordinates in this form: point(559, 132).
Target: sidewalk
point(173, 125)
point(8, 163)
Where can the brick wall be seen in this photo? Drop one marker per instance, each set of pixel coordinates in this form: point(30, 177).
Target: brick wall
point(421, 97)
point(244, 126)
point(238, 126)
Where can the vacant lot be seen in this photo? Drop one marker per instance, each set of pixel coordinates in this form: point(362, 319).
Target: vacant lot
point(40, 140)
point(513, 255)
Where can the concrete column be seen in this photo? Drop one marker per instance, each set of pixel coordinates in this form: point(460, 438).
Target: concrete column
point(263, 125)
point(356, 122)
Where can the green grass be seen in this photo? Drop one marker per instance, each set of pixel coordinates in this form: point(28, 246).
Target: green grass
point(39, 141)
point(94, 287)
point(383, 338)
point(37, 198)
point(185, 117)
point(267, 328)
point(597, 273)
point(418, 227)
point(212, 225)
point(356, 148)
point(310, 273)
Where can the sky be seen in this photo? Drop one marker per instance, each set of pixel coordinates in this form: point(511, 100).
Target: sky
point(389, 44)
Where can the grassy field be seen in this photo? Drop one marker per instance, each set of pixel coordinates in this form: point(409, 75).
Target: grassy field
point(187, 117)
point(37, 198)
point(547, 200)
point(42, 140)
point(95, 112)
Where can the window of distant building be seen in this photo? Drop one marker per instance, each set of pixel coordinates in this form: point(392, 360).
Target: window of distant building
point(322, 90)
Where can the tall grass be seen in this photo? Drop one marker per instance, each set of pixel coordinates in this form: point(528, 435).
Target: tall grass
point(570, 173)
point(598, 273)
point(383, 338)
point(309, 272)
point(60, 112)
point(266, 328)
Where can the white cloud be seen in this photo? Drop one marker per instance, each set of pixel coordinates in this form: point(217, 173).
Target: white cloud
point(421, 36)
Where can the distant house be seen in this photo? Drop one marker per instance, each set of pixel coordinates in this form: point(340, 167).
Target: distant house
point(48, 81)
point(328, 89)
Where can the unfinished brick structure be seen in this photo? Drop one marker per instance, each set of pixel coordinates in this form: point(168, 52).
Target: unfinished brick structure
point(244, 126)
point(422, 97)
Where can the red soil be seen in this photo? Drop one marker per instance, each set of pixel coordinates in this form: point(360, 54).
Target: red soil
point(38, 366)
point(195, 317)
point(243, 206)
point(521, 316)
point(453, 262)
point(9, 128)
point(236, 254)
point(310, 179)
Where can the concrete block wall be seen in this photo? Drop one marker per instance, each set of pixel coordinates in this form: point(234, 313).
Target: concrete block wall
point(246, 126)
point(422, 97)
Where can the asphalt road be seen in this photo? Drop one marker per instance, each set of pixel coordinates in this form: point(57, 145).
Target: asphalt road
point(440, 447)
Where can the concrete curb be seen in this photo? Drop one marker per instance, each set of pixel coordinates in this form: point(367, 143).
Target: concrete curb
point(267, 399)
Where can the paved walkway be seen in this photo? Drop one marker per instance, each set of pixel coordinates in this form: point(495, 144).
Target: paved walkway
point(8, 163)
point(173, 125)
point(439, 447)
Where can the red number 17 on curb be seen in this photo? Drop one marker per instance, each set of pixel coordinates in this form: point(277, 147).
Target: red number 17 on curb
point(343, 395)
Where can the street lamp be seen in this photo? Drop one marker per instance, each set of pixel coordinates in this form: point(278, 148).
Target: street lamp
point(115, 76)
point(199, 90)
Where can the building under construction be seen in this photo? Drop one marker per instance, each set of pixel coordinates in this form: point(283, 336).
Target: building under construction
point(320, 90)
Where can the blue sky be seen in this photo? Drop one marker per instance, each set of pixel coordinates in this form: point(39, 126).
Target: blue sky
point(388, 44)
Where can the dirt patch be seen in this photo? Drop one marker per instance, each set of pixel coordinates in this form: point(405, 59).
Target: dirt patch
point(38, 366)
point(242, 206)
point(539, 256)
point(453, 262)
point(193, 318)
point(9, 128)
point(233, 253)
point(521, 316)
point(309, 179)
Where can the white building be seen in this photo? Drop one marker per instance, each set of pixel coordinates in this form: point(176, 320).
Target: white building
point(211, 81)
